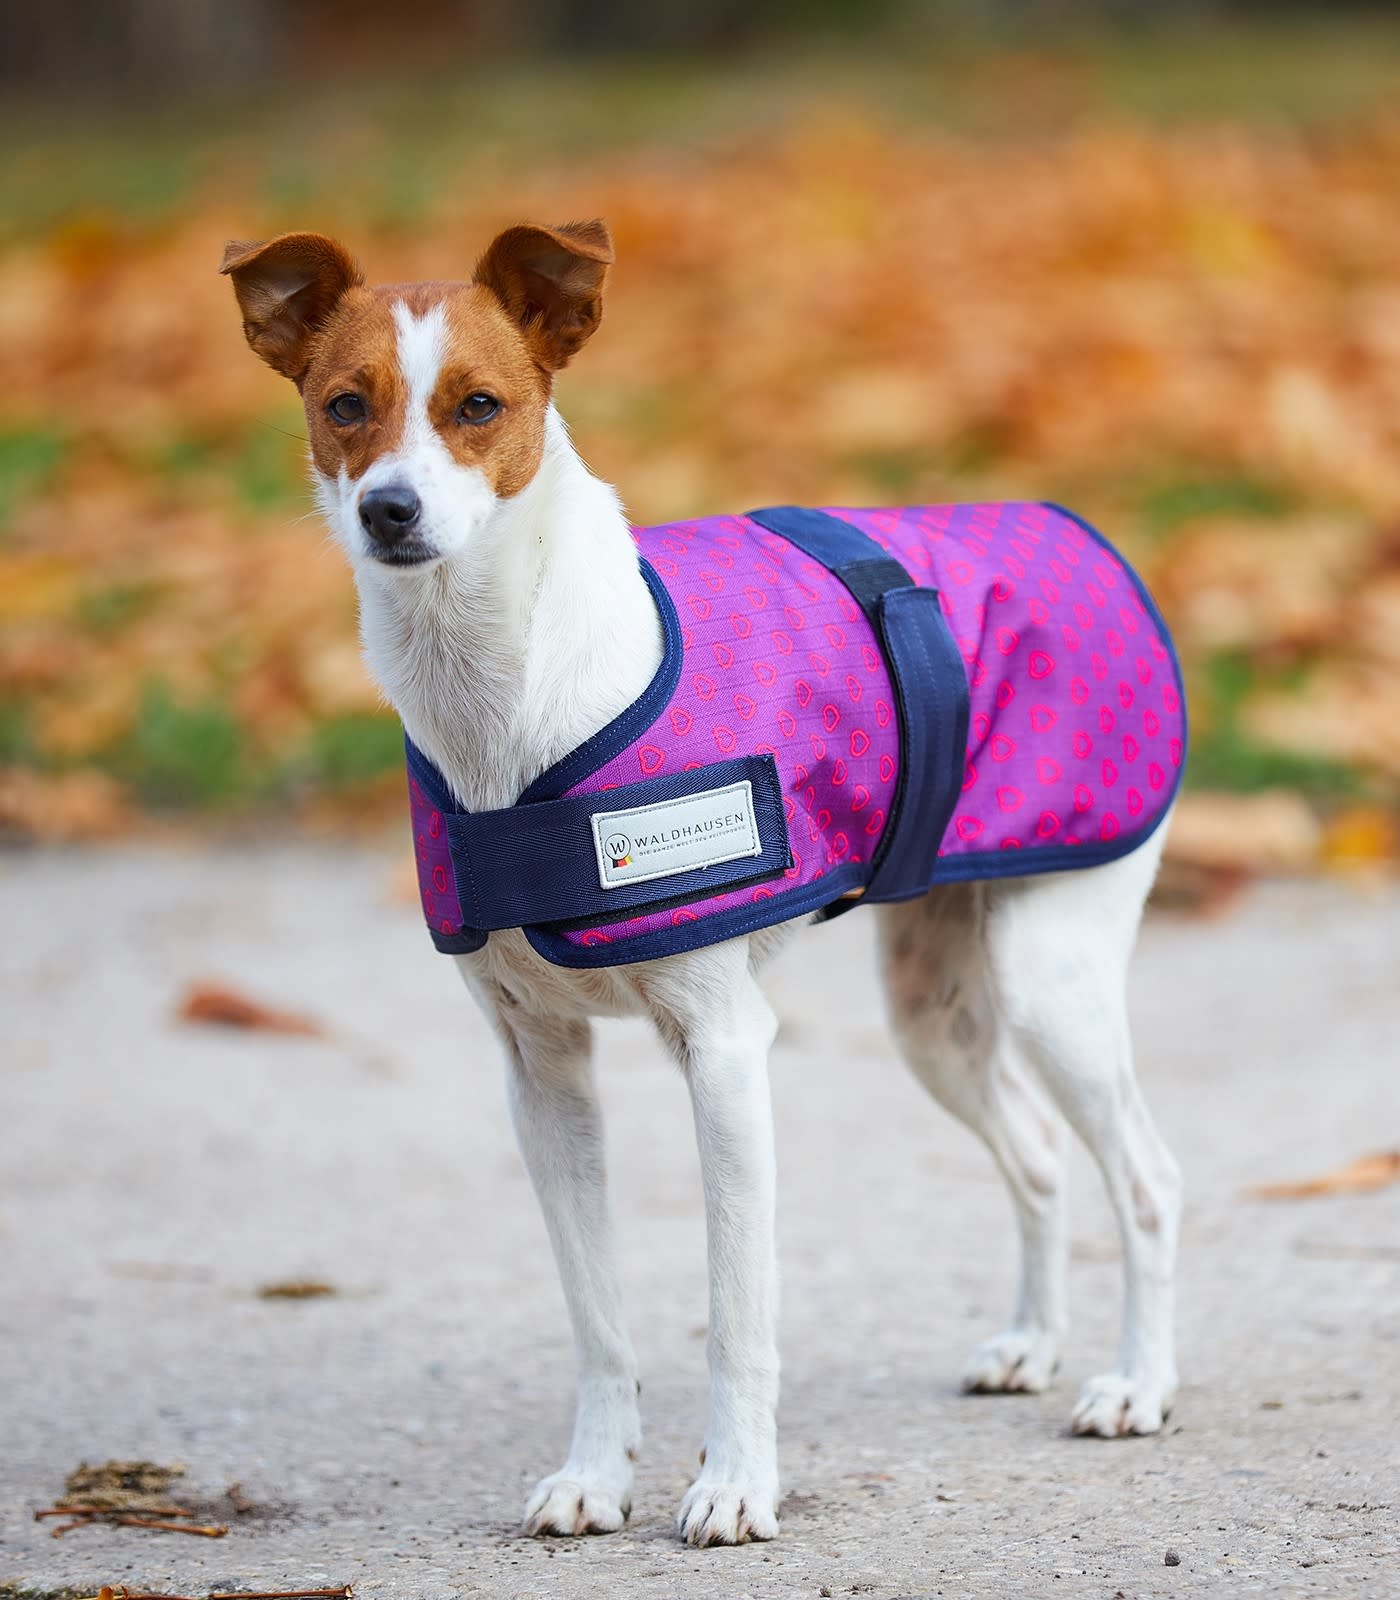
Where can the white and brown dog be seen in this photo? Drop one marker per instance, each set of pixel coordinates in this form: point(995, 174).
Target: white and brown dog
point(504, 613)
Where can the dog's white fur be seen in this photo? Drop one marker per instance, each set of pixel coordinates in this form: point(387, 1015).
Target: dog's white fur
point(530, 630)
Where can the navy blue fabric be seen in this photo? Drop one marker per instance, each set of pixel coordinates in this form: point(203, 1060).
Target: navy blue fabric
point(683, 936)
point(536, 863)
point(465, 942)
point(930, 685)
point(933, 715)
point(827, 539)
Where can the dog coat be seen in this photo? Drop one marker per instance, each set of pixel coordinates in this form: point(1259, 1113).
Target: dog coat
point(850, 705)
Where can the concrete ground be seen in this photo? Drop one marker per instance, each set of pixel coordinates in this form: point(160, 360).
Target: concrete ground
point(156, 1175)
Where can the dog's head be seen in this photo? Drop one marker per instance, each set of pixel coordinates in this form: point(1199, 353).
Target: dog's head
point(425, 403)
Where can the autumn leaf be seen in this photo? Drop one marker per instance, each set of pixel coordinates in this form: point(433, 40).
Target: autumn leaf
point(221, 1006)
point(1358, 1177)
point(296, 1289)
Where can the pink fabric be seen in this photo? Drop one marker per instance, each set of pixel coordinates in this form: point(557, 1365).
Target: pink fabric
point(437, 878)
point(779, 659)
point(1077, 726)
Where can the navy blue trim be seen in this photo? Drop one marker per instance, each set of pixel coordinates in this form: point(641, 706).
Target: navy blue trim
point(627, 726)
point(970, 865)
point(931, 683)
point(683, 936)
point(532, 864)
point(430, 780)
point(465, 942)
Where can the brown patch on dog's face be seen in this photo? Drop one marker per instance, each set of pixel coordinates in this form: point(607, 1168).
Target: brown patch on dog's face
point(482, 353)
point(355, 354)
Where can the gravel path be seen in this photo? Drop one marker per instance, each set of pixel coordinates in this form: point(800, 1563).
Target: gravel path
point(156, 1175)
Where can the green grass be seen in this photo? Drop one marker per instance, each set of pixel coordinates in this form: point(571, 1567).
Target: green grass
point(29, 459)
point(16, 734)
point(1165, 505)
point(265, 462)
point(181, 754)
point(346, 751)
point(114, 606)
point(1223, 756)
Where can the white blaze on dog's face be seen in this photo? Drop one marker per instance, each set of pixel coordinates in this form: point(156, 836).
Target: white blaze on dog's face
point(425, 403)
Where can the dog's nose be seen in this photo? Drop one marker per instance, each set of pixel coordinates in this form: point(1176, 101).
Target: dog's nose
point(390, 515)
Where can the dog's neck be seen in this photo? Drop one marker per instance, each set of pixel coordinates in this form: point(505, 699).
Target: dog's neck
point(504, 658)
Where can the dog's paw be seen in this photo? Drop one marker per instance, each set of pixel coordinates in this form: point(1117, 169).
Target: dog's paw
point(572, 1502)
point(1019, 1361)
point(719, 1512)
point(1114, 1407)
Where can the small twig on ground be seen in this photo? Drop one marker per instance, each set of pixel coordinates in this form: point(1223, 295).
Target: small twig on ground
point(120, 1592)
point(345, 1592)
point(87, 1516)
point(215, 1530)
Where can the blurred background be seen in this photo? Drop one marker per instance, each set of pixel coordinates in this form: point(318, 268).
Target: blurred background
point(1141, 259)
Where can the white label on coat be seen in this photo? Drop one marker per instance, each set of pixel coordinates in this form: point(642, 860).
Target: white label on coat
point(670, 836)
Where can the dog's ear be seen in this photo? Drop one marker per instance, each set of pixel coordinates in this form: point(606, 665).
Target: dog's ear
point(287, 288)
point(550, 280)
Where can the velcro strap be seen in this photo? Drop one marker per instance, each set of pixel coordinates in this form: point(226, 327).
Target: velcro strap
point(933, 716)
point(545, 862)
point(930, 685)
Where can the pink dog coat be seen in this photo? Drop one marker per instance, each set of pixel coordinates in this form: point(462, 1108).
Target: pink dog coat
point(851, 704)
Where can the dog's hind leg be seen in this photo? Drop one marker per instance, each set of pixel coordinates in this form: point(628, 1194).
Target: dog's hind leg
point(1060, 946)
point(559, 1131)
point(942, 1002)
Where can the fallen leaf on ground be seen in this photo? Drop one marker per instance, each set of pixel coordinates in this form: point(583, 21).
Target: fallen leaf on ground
point(1366, 1172)
point(120, 1485)
point(125, 1494)
point(216, 1003)
point(296, 1289)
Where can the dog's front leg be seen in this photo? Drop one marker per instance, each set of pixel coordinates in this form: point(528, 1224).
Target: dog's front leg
point(721, 1028)
point(559, 1130)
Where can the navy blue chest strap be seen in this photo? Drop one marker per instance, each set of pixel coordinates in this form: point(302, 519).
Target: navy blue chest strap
point(535, 865)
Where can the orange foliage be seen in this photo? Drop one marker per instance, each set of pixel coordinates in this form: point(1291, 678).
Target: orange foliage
point(834, 312)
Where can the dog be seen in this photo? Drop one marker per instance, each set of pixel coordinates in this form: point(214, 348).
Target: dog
point(508, 619)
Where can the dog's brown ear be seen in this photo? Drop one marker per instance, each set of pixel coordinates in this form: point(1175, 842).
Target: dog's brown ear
point(550, 280)
point(287, 288)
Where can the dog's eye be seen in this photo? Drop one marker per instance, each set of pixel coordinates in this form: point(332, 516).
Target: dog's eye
point(478, 408)
point(346, 408)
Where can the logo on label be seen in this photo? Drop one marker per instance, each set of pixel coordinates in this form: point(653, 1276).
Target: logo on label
point(670, 836)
